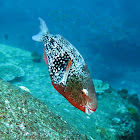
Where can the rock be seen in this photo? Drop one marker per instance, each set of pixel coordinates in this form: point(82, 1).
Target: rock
point(116, 120)
point(25, 88)
point(36, 57)
point(9, 72)
point(22, 116)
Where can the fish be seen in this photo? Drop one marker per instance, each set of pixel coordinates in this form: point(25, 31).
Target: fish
point(67, 69)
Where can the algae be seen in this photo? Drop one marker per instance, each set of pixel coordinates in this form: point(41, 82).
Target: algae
point(134, 113)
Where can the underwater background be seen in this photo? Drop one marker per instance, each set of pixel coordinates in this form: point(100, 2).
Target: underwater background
point(106, 33)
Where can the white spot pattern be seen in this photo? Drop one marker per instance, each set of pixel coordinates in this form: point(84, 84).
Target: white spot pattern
point(59, 52)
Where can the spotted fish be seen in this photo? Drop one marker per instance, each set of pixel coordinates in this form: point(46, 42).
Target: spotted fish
point(67, 69)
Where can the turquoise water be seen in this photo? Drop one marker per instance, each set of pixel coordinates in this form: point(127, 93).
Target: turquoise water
point(106, 33)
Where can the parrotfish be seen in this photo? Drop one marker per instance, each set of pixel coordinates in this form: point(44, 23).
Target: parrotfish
point(67, 69)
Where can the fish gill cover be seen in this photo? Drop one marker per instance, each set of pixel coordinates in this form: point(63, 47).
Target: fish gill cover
point(106, 33)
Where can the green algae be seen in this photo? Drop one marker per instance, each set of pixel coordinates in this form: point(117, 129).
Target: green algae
point(132, 110)
point(22, 116)
point(134, 113)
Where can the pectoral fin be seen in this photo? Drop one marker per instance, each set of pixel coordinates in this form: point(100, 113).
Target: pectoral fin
point(45, 57)
point(65, 76)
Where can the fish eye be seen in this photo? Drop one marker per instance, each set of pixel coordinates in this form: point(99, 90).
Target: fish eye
point(83, 92)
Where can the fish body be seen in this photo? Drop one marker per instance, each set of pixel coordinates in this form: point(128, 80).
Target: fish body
point(67, 69)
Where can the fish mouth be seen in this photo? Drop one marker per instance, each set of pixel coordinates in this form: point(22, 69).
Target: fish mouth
point(88, 111)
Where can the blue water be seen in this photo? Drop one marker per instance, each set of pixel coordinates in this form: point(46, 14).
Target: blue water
point(106, 33)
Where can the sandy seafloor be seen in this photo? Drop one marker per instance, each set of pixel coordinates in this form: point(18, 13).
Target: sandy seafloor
point(115, 118)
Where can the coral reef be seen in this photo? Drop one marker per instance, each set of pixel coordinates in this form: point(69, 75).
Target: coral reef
point(22, 116)
point(8, 72)
point(114, 118)
point(133, 99)
point(3, 58)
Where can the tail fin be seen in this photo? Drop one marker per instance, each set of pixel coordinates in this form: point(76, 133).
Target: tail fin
point(43, 30)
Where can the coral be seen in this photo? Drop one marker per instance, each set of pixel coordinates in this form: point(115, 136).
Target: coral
point(134, 100)
point(125, 126)
point(24, 117)
point(9, 72)
point(123, 93)
point(100, 87)
point(3, 58)
point(36, 57)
